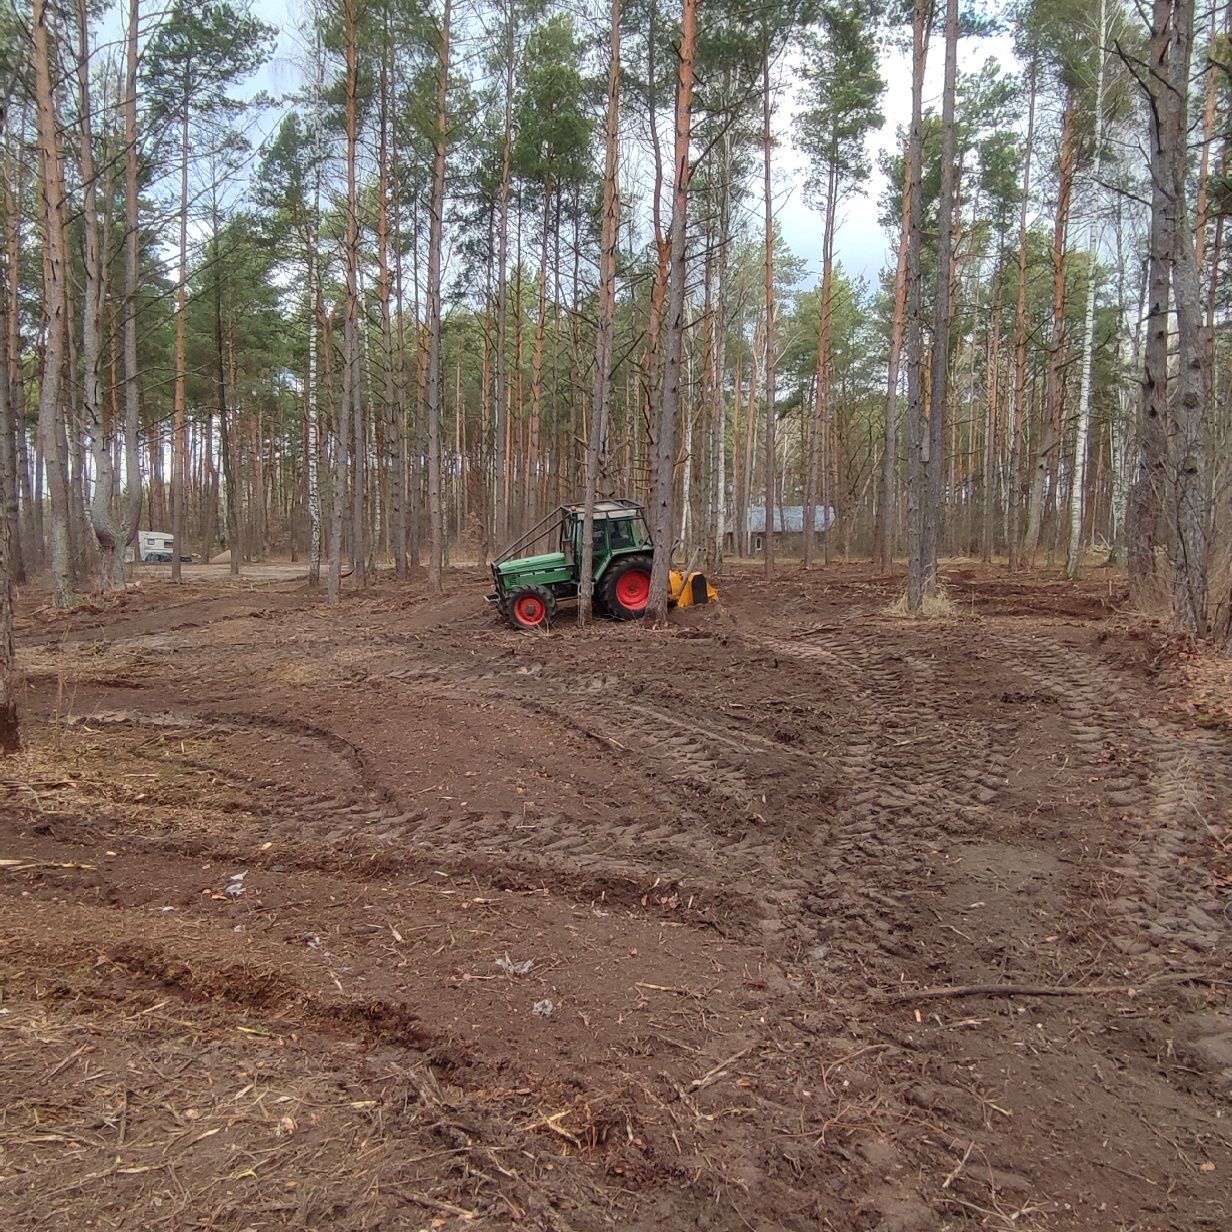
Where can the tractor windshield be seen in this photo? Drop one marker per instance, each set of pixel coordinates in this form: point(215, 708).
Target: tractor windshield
point(625, 533)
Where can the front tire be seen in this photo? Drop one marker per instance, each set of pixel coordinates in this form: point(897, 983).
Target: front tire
point(626, 587)
point(530, 608)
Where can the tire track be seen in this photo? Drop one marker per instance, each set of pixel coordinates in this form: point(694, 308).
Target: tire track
point(1176, 787)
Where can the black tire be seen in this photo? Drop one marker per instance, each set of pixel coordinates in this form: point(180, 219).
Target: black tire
point(625, 588)
point(530, 608)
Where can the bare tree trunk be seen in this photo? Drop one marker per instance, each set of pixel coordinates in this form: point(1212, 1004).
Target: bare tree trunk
point(1189, 478)
point(312, 319)
point(10, 728)
point(1048, 455)
point(384, 284)
point(351, 420)
point(1078, 469)
point(8, 440)
point(990, 427)
point(771, 414)
point(822, 409)
point(916, 426)
point(596, 446)
point(230, 486)
point(500, 498)
point(435, 230)
point(93, 296)
point(1146, 490)
point(55, 307)
point(719, 485)
point(28, 547)
point(1018, 416)
point(179, 446)
point(663, 521)
point(889, 458)
point(533, 464)
point(942, 314)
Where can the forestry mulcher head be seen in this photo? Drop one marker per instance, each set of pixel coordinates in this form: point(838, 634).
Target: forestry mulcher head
point(691, 589)
point(530, 587)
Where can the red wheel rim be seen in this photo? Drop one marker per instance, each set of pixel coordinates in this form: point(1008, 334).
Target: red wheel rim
point(633, 589)
point(530, 610)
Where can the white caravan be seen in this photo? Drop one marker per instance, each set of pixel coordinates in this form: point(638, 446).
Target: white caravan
point(153, 547)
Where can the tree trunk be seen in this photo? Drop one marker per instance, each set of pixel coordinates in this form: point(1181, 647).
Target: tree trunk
point(942, 314)
point(107, 533)
point(10, 729)
point(179, 446)
point(55, 307)
point(500, 499)
point(663, 521)
point(771, 414)
point(822, 410)
point(1078, 468)
point(351, 421)
point(596, 446)
point(1018, 415)
point(312, 320)
point(1048, 455)
point(889, 485)
point(384, 285)
point(1146, 490)
point(990, 426)
point(435, 231)
point(1188, 462)
point(916, 426)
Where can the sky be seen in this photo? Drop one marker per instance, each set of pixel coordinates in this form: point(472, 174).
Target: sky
point(861, 246)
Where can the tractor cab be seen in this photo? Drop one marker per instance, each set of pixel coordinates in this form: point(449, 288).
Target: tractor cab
point(616, 530)
point(529, 588)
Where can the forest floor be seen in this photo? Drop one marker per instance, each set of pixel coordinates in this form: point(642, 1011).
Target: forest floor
point(389, 917)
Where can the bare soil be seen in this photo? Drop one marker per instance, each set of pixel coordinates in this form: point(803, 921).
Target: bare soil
point(389, 917)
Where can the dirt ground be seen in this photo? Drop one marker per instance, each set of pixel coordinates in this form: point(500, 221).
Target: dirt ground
point(389, 917)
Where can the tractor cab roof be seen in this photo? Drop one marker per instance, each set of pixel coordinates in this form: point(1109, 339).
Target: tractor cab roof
point(607, 509)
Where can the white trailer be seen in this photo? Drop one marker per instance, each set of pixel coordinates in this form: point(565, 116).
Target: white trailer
point(153, 547)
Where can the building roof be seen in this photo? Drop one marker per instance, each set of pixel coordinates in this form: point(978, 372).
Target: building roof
point(789, 517)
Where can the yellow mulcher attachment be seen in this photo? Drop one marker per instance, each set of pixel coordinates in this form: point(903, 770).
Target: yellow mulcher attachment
point(690, 589)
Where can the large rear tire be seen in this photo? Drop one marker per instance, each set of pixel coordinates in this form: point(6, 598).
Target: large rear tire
point(530, 608)
point(625, 587)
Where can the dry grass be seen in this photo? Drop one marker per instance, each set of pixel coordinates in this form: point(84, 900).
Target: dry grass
point(125, 777)
point(933, 607)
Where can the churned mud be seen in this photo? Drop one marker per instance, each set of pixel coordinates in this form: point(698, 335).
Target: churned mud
point(389, 917)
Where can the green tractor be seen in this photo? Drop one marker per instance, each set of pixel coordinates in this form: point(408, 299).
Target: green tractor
point(529, 588)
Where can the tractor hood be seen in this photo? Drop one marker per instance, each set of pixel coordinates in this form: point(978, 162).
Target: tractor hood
point(533, 564)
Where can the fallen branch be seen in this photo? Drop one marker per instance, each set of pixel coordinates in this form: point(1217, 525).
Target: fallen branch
point(553, 1123)
point(717, 1071)
point(1012, 990)
point(1048, 990)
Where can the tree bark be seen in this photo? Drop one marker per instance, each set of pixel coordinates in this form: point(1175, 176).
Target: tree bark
point(942, 314)
point(500, 499)
point(1048, 455)
point(1146, 490)
point(1188, 462)
point(771, 465)
point(1018, 410)
point(596, 446)
point(179, 445)
point(55, 307)
point(106, 531)
point(916, 426)
point(10, 727)
point(662, 502)
point(887, 513)
point(351, 422)
point(312, 320)
point(435, 231)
